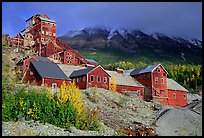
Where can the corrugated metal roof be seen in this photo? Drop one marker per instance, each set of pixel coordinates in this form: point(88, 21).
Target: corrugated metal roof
point(124, 79)
point(147, 69)
point(45, 19)
point(173, 85)
point(49, 70)
point(68, 69)
point(43, 59)
point(91, 60)
point(81, 72)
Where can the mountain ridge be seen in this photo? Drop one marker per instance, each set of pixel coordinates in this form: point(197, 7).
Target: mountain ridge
point(136, 42)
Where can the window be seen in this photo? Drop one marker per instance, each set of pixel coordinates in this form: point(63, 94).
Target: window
point(92, 78)
point(46, 33)
point(84, 78)
point(174, 95)
point(55, 48)
point(184, 96)
point(54, 34)
point(164, 74)
point(77, 79)
point(54, 85)
point(54, 56)
point(104, 79)
point(158, 69)
point(156, 80)
point(26, 66)
point(138, 93)
point(98, 78)
point(162, 80)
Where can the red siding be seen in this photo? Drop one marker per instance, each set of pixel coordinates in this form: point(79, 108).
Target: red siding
point(98, 71)
point(81, 82)
point(123, 89)
point(159, 89)
point(50, 81)
point(179, 100)
point(27, 63)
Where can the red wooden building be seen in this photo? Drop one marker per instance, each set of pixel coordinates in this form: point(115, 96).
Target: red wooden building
point(24, 63)
point(46, 73)
point(91, 77)
point(154, 78)
point(125, 84)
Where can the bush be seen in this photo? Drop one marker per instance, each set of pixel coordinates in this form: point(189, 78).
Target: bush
point(63, 109)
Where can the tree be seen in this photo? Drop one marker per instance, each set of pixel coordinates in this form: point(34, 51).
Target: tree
point(113, 84)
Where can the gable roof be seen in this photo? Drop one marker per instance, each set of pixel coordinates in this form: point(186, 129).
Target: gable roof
point(38, 58)
point(48, 70)
point(124, 79)
point(68, 69)
point(147, 69)
point(86, 71)
point(81, 72)
point(173, 85)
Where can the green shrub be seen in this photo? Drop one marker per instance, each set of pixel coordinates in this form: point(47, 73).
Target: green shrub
point(36, 104)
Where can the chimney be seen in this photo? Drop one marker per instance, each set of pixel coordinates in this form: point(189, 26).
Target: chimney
point(120, 71)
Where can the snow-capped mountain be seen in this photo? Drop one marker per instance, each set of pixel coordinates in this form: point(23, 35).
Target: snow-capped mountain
point(133, 41)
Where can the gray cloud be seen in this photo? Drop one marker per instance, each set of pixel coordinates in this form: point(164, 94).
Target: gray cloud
point(180, 19)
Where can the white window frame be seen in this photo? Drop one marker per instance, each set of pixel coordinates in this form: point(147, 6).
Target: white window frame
point(174, 95)
point(54, 34)
point(138, 91)
point(162, 80)
point(77, 79)
point(53, 85)
point(184, 96)
point(99, 79)
point(47, 33)
point(42, 32)
point(156, 80)
point(104, 79)
point(93, 78)
point(158, 69)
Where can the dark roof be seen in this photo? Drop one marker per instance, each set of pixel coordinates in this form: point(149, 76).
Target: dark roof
point(48, 70)
point(81, 72)
point(38, 58)
point(91, 60)
point(43, 59)
point(145, 69)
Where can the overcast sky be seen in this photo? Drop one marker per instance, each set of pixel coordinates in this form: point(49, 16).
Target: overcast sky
point(183, 19)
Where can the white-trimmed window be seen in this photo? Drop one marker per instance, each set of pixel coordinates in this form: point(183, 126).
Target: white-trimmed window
point(84, 78)
point(156, 80)
point(26, 66)
point(54, 34)
point(162, 80)
point(158, 69)
point(104, 79)
point(54, 85)
point(47, 33)
point(92, 78)
point(184, 96)
point(42, 32)
point(98, 78)
point(138, 93)
point(174, 95)
point(42, 39)
point(77, 79)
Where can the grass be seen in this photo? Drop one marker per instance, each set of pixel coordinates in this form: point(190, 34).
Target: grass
point(111, 55)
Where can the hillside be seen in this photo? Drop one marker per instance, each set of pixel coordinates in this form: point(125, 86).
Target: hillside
point(108, 46)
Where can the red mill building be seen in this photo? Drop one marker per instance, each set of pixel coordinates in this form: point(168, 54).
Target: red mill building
point(40, 36)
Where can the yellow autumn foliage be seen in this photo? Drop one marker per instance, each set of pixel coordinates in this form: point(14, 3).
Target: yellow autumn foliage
point(70, 93)
point(113, 84)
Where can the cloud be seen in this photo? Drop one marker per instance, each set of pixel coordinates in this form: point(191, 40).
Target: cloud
point(175, 18)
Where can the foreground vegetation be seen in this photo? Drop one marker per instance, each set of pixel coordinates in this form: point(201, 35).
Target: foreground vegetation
point(63, 108)
point(189, 76)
